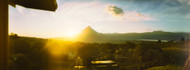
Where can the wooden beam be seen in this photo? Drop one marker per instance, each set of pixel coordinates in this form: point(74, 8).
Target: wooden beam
point(4, 35)
point(49, 5)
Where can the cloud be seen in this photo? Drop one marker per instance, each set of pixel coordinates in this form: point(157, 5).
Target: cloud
point(127, 16)
point(187, 2)
point(132, 16)
point(166, 7)
point(115, 11)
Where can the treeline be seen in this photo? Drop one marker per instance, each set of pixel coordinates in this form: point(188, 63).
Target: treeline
point(33, 53)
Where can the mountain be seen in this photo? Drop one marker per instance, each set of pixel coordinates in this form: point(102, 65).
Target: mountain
point(90, 35)
point(88, 31)
point(155, 35)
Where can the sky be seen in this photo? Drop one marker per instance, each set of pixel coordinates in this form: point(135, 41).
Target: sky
point(104, 16)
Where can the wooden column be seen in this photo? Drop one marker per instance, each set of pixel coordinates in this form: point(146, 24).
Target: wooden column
point(4, 35)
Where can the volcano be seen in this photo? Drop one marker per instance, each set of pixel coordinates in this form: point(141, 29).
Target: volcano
point(88, 31)
point(89, 35)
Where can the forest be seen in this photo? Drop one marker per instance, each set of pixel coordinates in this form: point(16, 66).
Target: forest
point(28, 53)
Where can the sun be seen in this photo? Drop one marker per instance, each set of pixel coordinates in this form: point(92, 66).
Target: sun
point(71, 33)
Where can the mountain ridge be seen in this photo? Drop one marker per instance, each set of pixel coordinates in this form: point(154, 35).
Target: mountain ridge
point(88, 34)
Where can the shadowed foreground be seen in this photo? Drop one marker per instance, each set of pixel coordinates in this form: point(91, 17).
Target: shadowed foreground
point(43, 54)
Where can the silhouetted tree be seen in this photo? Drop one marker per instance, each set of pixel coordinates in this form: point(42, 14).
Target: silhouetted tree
point(159, 41)
point(13, 35)
point(182, 39)
point(170, 41)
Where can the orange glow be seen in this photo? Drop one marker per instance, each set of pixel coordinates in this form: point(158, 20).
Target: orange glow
point(102, 62)
point(56, 48)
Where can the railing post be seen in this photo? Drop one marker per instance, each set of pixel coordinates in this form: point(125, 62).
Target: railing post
point(4, 35)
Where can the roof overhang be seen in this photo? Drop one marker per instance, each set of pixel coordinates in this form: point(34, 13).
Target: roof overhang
point(50, 5)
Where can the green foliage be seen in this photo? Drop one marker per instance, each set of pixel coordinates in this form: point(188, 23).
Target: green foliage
point(28, 54)
point(32, 54)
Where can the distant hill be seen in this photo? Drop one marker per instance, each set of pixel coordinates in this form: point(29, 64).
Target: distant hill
point(90, 35)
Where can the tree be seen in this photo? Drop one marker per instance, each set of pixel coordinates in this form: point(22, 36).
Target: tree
point(159, 41)
point(13, 35)
point(182, 39)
